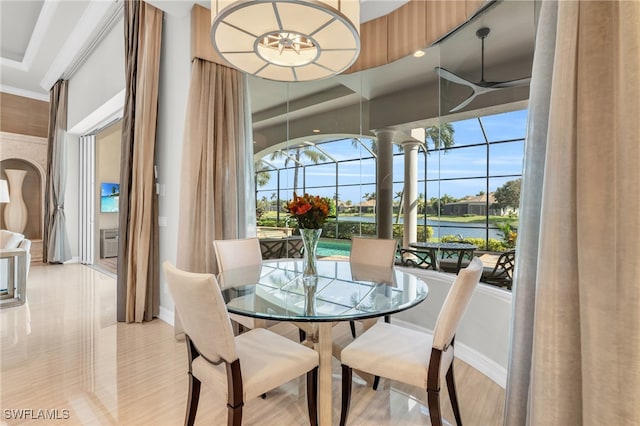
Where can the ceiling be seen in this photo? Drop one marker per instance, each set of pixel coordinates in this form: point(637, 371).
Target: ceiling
point(42, 41)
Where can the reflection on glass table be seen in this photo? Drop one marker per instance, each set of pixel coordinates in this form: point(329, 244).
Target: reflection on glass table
point(344, 291)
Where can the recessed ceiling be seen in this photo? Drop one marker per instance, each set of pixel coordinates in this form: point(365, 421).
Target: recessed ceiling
point(17, 22)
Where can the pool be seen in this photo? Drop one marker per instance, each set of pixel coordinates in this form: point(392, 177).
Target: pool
point(330, 247)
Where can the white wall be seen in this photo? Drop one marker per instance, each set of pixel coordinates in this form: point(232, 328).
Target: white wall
point(100, 78)
point(94, 89)
point(482, 339)
point(97, 82)
point(175, 74)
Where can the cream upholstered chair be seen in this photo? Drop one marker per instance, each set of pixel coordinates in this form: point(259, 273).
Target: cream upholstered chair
point(378, 252)
point(250, 364)
point(411, 356)
point(239, 253)
point(373, 251)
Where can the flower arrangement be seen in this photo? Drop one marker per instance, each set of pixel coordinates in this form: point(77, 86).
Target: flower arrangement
point(310, 211)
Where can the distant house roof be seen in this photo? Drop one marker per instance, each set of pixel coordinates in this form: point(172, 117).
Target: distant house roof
point(476, 199)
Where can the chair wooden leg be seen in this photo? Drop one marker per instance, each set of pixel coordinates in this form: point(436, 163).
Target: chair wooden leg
point(234, 415)
point(346, 393)
point(433, 399)
point(192, 400)
point(376, 382)
point(352, 325)
point(453, 396)
point(312, 396)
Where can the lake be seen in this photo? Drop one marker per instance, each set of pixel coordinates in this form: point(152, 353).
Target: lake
point(441, 227)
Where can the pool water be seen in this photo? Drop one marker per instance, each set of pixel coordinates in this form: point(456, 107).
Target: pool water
point(334, 248)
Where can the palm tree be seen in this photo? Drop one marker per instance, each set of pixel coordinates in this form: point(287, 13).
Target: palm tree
point(307, 151)
point(440, 136)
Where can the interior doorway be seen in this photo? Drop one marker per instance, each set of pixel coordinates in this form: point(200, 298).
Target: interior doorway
point(107, 190)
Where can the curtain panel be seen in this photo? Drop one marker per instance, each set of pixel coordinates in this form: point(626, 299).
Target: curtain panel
point(217, 190)
point(138, 265)
point(576, 329)
point(55, 242)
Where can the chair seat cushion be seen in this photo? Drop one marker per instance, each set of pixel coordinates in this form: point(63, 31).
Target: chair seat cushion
point(394, 352)
point(267, 360)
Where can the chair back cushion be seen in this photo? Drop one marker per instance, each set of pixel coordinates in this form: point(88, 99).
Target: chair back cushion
point(456, 303)
point(10, 240)
point(232, 254)
point(373, 251)
point(203, 313)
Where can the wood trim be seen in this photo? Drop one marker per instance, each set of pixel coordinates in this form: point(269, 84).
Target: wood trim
point(24, 116)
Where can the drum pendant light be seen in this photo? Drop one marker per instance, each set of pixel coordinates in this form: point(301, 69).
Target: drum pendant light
point(287, 40)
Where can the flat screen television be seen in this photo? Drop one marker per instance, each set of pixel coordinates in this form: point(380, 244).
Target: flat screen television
point(109, 197)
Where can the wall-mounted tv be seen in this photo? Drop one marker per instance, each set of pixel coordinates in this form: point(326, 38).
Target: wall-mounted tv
point(109, 196)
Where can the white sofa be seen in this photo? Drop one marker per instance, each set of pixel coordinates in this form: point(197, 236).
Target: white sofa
point(12, 290)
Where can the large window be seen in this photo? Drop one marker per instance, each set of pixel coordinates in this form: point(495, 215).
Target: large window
point(468, 187)
point(471, 189)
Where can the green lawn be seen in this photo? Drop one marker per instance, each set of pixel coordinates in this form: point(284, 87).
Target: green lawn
point(459, 219)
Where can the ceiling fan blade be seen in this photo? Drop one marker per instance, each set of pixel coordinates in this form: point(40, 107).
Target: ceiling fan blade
point(448, 75)
point(465, 102)
point(511, 83)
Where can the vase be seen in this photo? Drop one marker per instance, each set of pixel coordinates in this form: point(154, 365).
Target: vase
point(310, 238)
point(15, 213)
point(310, 298)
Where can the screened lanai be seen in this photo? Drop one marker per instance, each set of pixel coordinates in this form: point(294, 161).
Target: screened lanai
point(466, 186)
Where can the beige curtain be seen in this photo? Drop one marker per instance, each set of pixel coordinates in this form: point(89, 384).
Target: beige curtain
point(55, 242)
point(585, 298)
point(217, 189)
point(138, 265)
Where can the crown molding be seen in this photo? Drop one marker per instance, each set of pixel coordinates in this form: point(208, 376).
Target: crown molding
point(74, 46)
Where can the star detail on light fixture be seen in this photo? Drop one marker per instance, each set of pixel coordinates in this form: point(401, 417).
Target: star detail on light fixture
point(289, 41)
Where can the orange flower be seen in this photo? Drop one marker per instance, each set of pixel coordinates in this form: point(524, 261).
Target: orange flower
point(310, 211)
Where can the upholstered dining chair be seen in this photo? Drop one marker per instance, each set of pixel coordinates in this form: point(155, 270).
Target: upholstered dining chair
point(250, 364)
point(411, 356)
point(239, 253)
point(377, 252)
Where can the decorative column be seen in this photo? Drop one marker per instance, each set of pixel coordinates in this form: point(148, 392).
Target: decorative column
point(15, 213)
point(410, 214)
point(384, 183)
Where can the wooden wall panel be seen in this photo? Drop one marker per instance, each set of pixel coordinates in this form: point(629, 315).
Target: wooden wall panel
point(201, 46)
point(472, 6)
point(407, 30)
point(413, 26)
point(24, 116)
point(373, 51)
point(442, 16)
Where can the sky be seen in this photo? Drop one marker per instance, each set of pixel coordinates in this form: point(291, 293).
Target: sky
point(462, 171)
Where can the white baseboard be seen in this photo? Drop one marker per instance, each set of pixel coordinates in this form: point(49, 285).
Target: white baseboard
point(476, 359)
point(166, 315)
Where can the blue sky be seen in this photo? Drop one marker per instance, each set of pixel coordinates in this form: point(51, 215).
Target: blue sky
point(466, 165)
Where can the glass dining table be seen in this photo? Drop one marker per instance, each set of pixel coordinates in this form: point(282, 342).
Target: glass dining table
point(343, 291)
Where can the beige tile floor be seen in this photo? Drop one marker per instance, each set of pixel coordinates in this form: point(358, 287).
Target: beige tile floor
point(64, 355)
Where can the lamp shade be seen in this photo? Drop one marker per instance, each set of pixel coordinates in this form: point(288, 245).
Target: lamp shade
point(287, 40)
point(4, 191)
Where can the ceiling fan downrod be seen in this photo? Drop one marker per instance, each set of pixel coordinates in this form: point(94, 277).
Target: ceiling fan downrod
point(482, 33)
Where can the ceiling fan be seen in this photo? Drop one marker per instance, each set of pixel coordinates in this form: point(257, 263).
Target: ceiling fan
point(482, 86)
